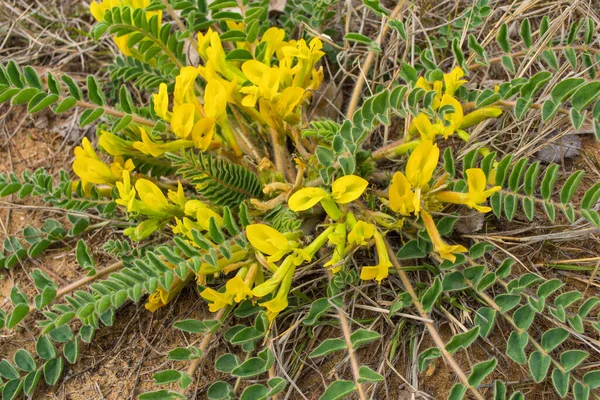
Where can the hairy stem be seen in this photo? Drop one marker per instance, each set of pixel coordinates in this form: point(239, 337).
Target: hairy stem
point(432, 331)
point(84, 281)
point(351, 354)
point(362, 74)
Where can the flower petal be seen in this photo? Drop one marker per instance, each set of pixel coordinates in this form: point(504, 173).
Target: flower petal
point(306, 198)
point(348, 188)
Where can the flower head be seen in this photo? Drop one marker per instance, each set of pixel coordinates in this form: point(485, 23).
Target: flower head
point(445, 250)
point(268, 240)
point(379, 271)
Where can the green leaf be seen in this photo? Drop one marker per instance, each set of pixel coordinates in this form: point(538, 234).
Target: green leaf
point(560, 381)
point(454, 281)
point(507, 302)
point(362, 336)
point(525, 32)
point(195, 326)
point(462, 340)
point(66, 104)
point(255, 392)
point(94, 93)
point(549, 287)
point(89, 116)
point(220, 390)
point(553, 338)
point(516, 345)
point(502, 38)
point(317, 309)
point(227, 363)
point(523, 317)
point(408, 73)
point(592, 379)
point(30, 382)
point(17, 315)
point(585, 95)
point(427, 356)
point(7, 371)
point(485, 319)
point(499, 390)
point(328, 346)
point(44, 348)
point(11, 389)
point(572, 358)
point(71, 351)
point(163, 394)
point(366, 374)
point(481, 370)
point(166, 377)
point(581, 392)
point(338, 390)
point(84, 257)
point(457, 392)
point(538, 365)
point(24, 360)
point(565, 88)
point(431, 295)
point(52, 370)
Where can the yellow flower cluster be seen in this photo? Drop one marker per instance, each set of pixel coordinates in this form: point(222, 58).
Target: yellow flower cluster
point(413, 194)
point(278, 82)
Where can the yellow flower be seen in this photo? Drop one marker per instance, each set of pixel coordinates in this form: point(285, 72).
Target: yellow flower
point(445, 250)
point(437, 86)
point(337, 238)
point(152, 203)
point(306, 198)
point(424, 126)
point(265, 82)
point(361, 233)
point(268, 240)
point(348, 188)
point(182, 121)
point(126, 192)
point(203, 133)
point(185, 226)
point(114, 145)
point(184, 86)
point(148, 146)
point(161, 102)
point(202, 213)
point(422, 163)
point(161, 297)
point(452, 81)
point(91, 169)
point(381, 270)
point(479, 115)
point(273, 38)
point(477, 194)
point(238, 289)
point(142, 230)
point(454, 119)
point(280, 301)
point(217, 300)
point(344, 190)
point(401, 195)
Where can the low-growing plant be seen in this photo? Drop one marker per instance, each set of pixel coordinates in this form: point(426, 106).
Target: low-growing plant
point(227, 182)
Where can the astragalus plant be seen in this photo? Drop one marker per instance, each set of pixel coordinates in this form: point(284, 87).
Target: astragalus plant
point(310, 237)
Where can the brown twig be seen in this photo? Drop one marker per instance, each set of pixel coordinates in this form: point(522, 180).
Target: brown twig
point(84, 281)
point(362, 74)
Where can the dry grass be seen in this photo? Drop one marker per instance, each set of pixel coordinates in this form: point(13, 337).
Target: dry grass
point(120, 362)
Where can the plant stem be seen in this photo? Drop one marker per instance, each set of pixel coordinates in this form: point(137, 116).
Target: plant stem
point(204, 345)
point(353, 362)
point(84, 281)
point(362, 74)
point(432, 331)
